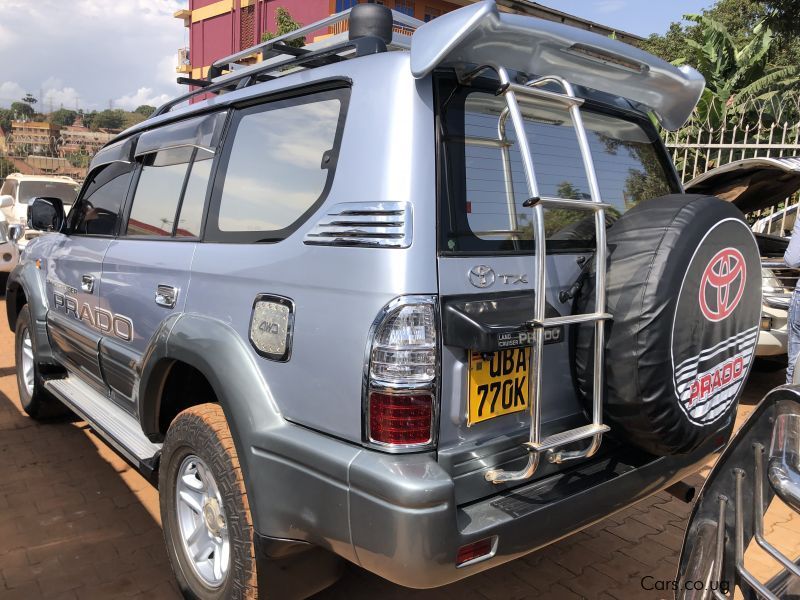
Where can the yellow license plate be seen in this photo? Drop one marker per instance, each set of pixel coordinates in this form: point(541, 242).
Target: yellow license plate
point(498, 383)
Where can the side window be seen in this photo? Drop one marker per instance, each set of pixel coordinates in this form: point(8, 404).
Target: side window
point(278, 164)
point(158, 192)
point(9, 188)
point(194, 197)
point(97, 210)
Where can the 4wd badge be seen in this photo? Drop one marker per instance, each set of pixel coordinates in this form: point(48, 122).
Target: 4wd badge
point(271, 327)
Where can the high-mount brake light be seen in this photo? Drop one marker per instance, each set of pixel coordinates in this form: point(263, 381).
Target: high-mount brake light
point(401, 376)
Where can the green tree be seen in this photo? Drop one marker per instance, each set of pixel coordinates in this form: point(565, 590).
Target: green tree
point(22, 110)
point(284, 23)
point(735, 73)
point(145, 110)
point(112, 118)
point(6, 167)
point(78, 159)
point(63, 117)
point(6, 116)
point(132, 118)
point(784, 16)
point(671, 46)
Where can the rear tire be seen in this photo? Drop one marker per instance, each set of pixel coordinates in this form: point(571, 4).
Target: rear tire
point(36, 401)
point(204, 508)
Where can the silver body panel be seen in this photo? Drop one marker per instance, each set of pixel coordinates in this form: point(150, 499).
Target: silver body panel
point(559, 399)
point(298, 423)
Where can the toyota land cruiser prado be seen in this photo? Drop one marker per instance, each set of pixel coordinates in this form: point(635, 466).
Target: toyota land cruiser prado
point(423, 301)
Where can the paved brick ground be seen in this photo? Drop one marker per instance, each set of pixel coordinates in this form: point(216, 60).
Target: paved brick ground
point(77, 522)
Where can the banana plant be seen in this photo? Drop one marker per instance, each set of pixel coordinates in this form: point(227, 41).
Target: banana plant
point(735, 76)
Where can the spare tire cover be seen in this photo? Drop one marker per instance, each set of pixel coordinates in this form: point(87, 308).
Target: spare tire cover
point(684, 288)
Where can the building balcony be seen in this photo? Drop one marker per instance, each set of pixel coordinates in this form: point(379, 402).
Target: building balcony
point(184, 14)
point(344, 26)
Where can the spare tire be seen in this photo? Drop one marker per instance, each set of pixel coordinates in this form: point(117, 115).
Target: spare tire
point(684, 288)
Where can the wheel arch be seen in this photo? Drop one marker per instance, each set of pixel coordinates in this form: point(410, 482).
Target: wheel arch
point(214, 349)
point(217, 352)
point(25, 286)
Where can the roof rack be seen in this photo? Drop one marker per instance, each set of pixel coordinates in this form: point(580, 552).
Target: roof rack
point(279, 57)
point(478, 35)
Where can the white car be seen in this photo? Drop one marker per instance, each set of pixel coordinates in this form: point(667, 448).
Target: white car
point(753, 184)
point(9, 253)
point(19, 190)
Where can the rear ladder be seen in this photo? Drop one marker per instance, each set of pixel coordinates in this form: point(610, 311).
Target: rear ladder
point(550, 446)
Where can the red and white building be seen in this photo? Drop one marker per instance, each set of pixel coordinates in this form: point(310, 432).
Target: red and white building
point(219, 28)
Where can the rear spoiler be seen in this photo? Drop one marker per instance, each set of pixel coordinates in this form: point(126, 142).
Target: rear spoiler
point(480, 35)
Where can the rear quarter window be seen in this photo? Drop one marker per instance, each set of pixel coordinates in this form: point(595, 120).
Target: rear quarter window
point(277, 166)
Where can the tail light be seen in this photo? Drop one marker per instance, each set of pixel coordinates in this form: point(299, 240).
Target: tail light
point(400, 392)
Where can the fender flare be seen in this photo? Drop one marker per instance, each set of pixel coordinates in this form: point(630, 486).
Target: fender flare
point(31, 280)
point(216, 350)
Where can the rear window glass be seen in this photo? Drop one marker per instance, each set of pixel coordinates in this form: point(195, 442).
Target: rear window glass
point(486, 185)
point(66, 192)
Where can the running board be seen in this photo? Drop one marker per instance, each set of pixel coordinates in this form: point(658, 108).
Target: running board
point(567, 437)
point(119, 428)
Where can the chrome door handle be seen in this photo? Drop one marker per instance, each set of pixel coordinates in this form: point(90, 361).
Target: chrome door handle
point(87, 283)
point(166, 296)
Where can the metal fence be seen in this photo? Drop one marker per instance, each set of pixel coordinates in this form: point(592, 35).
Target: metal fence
point(760, 128)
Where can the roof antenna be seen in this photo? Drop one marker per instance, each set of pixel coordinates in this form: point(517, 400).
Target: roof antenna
point(371, 25)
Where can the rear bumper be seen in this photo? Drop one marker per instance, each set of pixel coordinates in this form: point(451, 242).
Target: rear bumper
point(772, 343)
point(775, 341)
point(396, 515)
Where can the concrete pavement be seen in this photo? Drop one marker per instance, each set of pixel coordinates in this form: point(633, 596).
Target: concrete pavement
point(76, 522)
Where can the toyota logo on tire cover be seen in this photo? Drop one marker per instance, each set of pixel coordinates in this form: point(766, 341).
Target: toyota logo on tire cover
point(722, 284)
point(713, 337)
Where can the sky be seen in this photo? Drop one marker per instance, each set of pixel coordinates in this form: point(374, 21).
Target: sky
point(641, 17)
point(96, 54)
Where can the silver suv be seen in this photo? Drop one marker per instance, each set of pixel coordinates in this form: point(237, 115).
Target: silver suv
point(425, 309)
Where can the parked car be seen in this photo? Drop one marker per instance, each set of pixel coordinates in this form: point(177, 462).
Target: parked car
point(19, 190)
point(424, 310)
point(9, 253)
point(759, 466)
point(753, 184)
point(779, 223)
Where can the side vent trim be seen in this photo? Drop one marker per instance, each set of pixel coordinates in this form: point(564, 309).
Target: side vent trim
point(364, 225)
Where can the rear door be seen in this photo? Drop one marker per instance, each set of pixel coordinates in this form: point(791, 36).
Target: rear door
point(146, 269)
point(486, 265)
point(74, 265)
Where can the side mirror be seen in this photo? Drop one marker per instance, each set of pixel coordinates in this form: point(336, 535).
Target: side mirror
point(46, 214)
point(6, 201)
point(15, 232)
